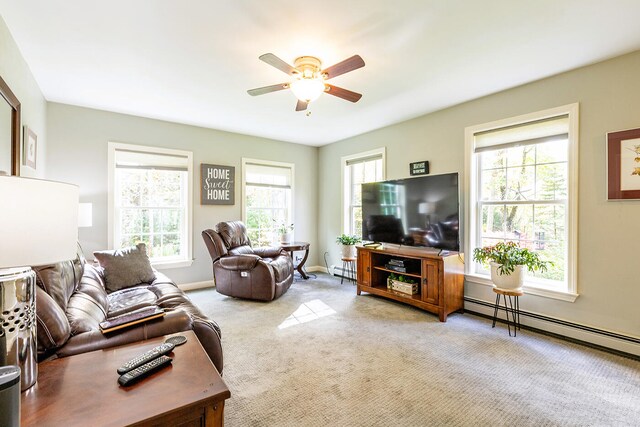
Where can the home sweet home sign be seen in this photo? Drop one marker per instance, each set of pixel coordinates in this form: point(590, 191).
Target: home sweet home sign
point(217, 184)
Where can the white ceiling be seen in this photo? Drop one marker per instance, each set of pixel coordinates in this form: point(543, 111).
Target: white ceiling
point(192, 61)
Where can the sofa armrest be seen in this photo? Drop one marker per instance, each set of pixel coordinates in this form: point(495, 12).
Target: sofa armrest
point(268, 252)
point(174, 321)
point(239, 262)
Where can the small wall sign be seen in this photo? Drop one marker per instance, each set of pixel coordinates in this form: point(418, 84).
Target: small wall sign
point(217, 184)
point(419, 168)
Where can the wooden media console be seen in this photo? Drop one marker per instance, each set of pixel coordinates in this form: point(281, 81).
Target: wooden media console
point(440, 278)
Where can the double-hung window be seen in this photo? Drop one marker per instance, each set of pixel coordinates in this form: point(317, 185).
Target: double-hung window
point(522, 187)
point(150, 202)
point(268, 199)
point(358, 169)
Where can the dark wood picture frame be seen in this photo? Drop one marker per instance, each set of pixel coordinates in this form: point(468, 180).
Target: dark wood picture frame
point(615, 160)
point(13, 102)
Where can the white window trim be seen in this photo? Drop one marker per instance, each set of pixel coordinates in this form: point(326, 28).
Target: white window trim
point(292, 166)
point(470, 167)
point(111, 163)
point(345, 194)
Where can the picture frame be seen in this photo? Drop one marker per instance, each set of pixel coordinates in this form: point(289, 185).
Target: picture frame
point(217, 184)
point(623, 165)
point(29, 148)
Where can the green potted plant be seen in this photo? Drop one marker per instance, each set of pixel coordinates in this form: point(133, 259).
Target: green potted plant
point(506, 260)
point(285, 231)
point(348, 245)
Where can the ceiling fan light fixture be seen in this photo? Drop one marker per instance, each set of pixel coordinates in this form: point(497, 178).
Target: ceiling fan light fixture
point(308, 89)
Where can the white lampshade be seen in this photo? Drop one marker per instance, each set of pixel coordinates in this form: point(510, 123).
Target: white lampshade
point(307, 89)
point(426, 208)
point(38, 221)
point(85, 214)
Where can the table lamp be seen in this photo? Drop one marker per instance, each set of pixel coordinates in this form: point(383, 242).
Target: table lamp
point(38, 226)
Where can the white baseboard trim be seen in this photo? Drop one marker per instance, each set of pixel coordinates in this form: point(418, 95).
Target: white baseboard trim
point(600, 337)
point(197, 285)
point(315, 268)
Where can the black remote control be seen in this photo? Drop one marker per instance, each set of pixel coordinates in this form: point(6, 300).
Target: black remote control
point(144, 370)
point(154, 353)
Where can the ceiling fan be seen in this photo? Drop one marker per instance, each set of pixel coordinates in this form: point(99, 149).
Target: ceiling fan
point(308, 80)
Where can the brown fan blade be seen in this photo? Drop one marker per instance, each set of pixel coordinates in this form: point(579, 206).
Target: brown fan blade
point(345, 66)
point(301, 105)
point(274, 61)
point(267, 89)
point(343, 93)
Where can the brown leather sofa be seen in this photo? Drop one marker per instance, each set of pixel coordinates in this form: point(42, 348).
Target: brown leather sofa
point(72, 301)
point(242, 271)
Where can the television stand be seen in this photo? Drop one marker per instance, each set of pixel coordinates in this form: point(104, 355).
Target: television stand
point(440, 277)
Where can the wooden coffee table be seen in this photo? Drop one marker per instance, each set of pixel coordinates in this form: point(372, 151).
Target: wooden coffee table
point(83, 390)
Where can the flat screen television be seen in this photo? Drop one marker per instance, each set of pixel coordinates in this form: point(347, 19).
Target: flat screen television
point(419, 211)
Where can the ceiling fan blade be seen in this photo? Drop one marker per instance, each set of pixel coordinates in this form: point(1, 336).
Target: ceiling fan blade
point(343, 93)
point(274, 61)
point(345, 66)
point(301, 105)
point(267, 89)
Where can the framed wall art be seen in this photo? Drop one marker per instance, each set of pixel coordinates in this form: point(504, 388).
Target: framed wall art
point(623, 165)
point(29, 148)
point(217, 184)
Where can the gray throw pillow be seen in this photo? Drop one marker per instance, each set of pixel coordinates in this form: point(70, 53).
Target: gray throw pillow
point(125, 267)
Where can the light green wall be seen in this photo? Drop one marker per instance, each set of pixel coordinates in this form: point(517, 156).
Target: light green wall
point(77, 153)
point(16, 73)
point(609, 232)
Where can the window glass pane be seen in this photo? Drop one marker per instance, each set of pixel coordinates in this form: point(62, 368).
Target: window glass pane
point(494, 184)
point(551, 152)
point(492, 225)
point(358, 173)
point(356, 198)
point(493, 159)
point(521, 183)
point(357, 221)
point(550, 222)
point(369, 171)
point(524, 155)
point(379, 166)
point(551, 181)
point(519, 223)
point(556, 252)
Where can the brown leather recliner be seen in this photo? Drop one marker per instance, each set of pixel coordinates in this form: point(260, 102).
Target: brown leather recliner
point(242, 271)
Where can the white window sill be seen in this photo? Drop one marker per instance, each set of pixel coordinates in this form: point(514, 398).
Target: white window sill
point(162, 265)
point(529, 288)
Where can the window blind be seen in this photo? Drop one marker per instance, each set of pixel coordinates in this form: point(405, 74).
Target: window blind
point(364, 159)
point(268, 175)
point(536, 132)
point(129, 159)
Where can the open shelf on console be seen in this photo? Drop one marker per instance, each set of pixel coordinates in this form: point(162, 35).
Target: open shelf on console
point(417, 275)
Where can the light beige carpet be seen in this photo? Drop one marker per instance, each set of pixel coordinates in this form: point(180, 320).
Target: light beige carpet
point(322, 356)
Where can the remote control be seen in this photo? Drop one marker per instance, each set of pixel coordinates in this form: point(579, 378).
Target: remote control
point(144, 370)
point(154, 353)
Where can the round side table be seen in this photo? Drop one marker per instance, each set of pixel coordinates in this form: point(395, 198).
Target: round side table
point(514, 307)
point(298, 246)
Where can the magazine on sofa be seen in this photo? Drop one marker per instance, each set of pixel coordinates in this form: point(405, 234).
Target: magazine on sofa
point(132, 318)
